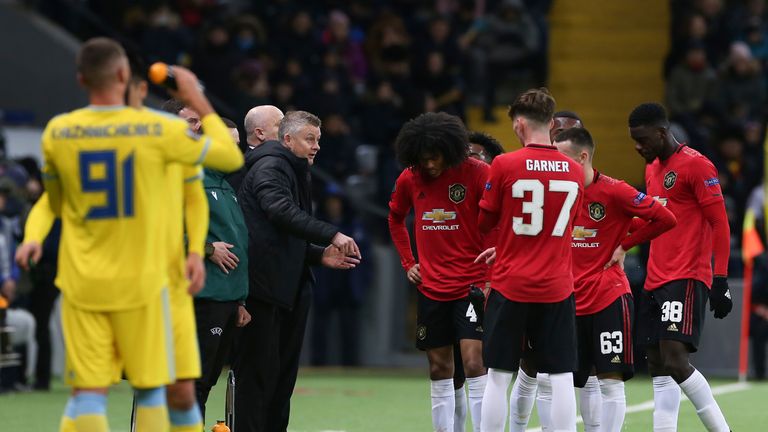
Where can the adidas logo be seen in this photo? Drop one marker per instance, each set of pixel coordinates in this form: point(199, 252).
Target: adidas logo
point(728, 294)
point(672, 327)
point(421, 195)
point(616, 359)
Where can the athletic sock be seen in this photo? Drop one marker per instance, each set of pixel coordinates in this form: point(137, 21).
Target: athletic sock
point(476, 392)
point(698, 391)
point(591, 404)
point(443, 405)
point(563, 415)
point(460, 410)
point(68, 418)
point(666, 404)
point(544, 401)
point(91, 412)
point(151, 410)
point(521, 401)
point(186, 420)
point(614, 405)
point(494, 410)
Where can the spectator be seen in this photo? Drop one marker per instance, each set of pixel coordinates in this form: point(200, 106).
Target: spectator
point(742, 92)
point(165, 39)
point(443, 87)
point(690, 85)
point(339, 37)
point(511, 39)
point(338, 159)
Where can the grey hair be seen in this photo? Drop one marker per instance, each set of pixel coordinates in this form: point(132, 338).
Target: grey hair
point(295, 121)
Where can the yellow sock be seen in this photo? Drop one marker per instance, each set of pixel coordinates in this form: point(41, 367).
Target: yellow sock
point(153, 419)
point(187, 428)
point(91, 423)
point(67, 424)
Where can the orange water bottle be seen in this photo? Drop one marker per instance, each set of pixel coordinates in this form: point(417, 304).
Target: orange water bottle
point(221, 426)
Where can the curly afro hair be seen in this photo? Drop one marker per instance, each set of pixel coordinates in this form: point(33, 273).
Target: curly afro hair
point(430, 134)
point(491, 145)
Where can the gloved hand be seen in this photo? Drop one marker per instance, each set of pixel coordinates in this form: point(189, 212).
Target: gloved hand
point(720, 297)
point(477, 299)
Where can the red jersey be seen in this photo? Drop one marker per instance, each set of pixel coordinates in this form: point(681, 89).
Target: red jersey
point(446, 228)
point(601, 225)
point(684, 183)
point(534, 192)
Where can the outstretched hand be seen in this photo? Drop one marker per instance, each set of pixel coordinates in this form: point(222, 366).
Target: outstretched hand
point(334, 258)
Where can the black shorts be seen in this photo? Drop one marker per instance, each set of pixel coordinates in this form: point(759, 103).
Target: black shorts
point(605, 341)
point(443, 323)
point(544, 331)
point(675, 311)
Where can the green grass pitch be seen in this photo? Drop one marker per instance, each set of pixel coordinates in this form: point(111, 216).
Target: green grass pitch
point(371, 400)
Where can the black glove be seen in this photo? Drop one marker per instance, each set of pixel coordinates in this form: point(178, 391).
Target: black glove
point(477, 299)
point(720, 297)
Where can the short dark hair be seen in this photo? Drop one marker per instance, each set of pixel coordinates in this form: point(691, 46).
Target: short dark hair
point(173, 106)
point(577, 136)
point(537, 105)
point(96, 59)
point(568, 114)
point(432, 133)
point(648, 114)
point(229, 123)
point(491, 145)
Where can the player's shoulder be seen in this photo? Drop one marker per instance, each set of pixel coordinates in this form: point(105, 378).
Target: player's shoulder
point(607, 180)
point(407, 175)
point(66, 118)
point(687, 156)
point(472, 165)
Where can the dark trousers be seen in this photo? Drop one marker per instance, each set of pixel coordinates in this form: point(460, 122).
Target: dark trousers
point(215, 333)
point(267, 363)
point(759, 334)
point(44, 294)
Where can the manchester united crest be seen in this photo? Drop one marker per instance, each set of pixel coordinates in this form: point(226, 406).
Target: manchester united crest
point(596, 211)
point(669, 179)
point(421, 332)
point(457, 192)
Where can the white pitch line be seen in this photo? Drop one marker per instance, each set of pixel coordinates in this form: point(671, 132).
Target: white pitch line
point(648, 405)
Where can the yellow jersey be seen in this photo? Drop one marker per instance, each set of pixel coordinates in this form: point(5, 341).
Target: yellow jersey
point(106, 174)
point(188, 214)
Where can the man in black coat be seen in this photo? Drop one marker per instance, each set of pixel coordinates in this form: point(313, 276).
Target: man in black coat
point(282, 245)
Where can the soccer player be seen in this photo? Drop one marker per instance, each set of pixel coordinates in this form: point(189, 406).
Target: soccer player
point(526, 386)
point(444, 187)
point(604, 304)
point(484, 147)
point(104, 172)
point(673, 303)
point(564, 120)
point(533, 195)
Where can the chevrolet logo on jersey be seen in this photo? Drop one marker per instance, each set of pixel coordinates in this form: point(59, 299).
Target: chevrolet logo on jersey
point(439, 216)
point(580, 233)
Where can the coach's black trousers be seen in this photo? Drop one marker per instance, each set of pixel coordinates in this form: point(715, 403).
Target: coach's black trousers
point(215, 334)
point(267, 363)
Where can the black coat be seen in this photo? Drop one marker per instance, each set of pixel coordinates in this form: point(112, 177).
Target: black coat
point(277, 205)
